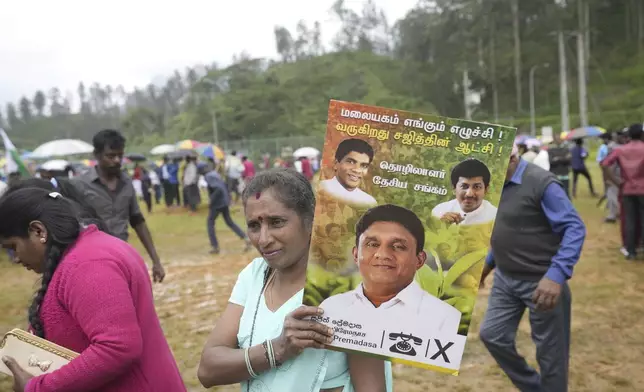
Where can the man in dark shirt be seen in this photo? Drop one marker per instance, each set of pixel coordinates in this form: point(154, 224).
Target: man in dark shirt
point(560, 157)
point(110, 192)
point(630, 159)
point(219, 205)
point(578, 163)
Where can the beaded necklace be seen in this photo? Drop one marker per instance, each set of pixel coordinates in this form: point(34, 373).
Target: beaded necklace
point(267, 275)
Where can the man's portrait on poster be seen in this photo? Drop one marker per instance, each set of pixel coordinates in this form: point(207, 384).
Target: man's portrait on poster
point(470, 181)
point(353, 157)
point(388, 251)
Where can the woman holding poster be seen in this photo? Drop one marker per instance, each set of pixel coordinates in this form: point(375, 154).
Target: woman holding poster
point(263, 339)
point(424, 198)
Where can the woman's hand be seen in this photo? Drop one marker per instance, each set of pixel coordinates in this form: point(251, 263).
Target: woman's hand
point(20, 376)
point(298, 334)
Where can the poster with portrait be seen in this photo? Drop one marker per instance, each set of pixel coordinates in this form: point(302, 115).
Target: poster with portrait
point(406, 204)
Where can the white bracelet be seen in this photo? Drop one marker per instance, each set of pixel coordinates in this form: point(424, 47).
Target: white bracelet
point(249, 367)
point(271, 354)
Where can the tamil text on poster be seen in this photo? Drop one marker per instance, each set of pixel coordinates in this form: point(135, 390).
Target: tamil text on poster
point(405, 208)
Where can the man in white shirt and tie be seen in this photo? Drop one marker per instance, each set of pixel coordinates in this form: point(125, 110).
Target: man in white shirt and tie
point(471, 181)
point(352, 160)
point(388, 252)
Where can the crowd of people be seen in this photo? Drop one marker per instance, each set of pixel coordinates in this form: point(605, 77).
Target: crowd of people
point(95, 297)
point(621, 160)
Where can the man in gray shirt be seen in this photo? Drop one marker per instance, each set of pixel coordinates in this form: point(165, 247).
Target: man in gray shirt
point(110, 192)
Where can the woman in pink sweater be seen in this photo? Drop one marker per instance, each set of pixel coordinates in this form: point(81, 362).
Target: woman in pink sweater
point(95, 299)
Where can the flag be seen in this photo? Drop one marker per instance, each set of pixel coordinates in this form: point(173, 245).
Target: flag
point(13, 161)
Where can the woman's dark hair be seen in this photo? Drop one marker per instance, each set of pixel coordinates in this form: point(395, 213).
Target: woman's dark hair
point(59, 216)
point(86, 212)
point(290, 188)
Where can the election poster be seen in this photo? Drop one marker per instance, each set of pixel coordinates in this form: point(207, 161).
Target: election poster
point(406, 204)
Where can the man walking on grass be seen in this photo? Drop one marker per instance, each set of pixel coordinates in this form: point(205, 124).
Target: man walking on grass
point(219, 202)
point(535, 244)
point(630, 159)
point(111, 193)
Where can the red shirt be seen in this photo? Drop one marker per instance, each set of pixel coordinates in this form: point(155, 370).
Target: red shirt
point(249, 169)
point(137, 173)
point(630, 158)
point(307, 170)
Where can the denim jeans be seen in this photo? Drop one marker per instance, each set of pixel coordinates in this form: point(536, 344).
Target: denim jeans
point(212, 217)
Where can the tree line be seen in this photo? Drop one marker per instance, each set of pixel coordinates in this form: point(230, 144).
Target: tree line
point(415, 63)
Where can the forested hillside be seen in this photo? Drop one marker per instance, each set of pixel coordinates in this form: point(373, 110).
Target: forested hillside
point(415, 63)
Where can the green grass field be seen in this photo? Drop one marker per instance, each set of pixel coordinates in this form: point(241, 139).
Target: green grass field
point(608, 306)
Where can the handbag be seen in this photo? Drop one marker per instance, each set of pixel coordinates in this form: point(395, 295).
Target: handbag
point(34, 354)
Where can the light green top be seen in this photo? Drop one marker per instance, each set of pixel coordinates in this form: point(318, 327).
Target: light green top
point(313, 369)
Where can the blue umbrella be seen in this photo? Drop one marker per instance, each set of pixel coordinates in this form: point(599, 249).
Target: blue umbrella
point(583, 132)
point(211, 151)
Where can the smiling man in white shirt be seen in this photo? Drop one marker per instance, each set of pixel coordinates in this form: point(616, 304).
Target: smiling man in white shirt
point(352, 160)
point(471, 181)
point(388, 252)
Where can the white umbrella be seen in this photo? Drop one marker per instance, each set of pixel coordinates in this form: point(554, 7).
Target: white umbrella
point(532, 143)
point(61, 148)
point(55, 164)
point(308, 152)
point(163, 149)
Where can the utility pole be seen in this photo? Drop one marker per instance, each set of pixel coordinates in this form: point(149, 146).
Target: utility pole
point(495, 93)
point(517, 54)
point(466, 103)
point(563, 83)
point(213, 112)
point(581, 77)
point(215, 129)
point(586, 32)
point(533, 126)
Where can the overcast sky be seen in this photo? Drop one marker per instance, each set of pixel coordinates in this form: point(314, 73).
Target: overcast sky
point(46, 43)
